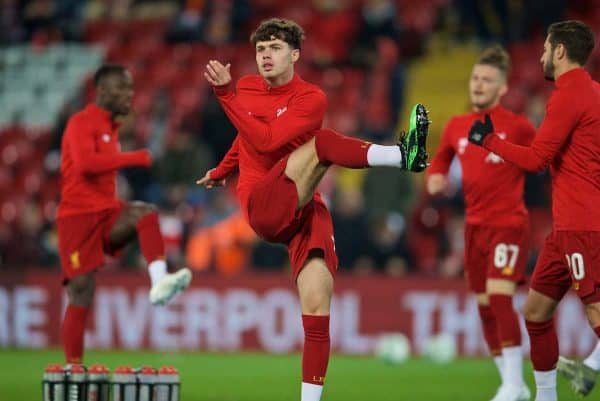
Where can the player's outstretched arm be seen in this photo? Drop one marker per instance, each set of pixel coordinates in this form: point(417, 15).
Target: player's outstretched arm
point(561, 117)
point(216, 177)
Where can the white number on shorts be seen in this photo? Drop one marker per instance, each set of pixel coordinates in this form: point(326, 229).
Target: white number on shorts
point(502, 258)
point(575, 263)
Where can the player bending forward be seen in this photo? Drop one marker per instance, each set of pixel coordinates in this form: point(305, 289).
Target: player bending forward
point(282, 154)
point(569, 141)
point(91, 220)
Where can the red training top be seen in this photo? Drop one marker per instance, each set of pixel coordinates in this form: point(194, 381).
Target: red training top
point(493, 189)
point(90, 158)
point(271, 123)
point(569, 141)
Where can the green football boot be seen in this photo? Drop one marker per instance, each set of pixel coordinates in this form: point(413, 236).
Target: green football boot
point(581, 377)
point(413, 145)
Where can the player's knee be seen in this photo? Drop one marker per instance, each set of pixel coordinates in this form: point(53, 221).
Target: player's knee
point(535, 312)
point(593, 314)
point(316, 303)
point(142, 209)
point(81, 290)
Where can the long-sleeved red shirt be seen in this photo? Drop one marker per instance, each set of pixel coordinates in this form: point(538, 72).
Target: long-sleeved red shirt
point(492, 188)
point(90, 158)
point(271, 123)
point(569, 141)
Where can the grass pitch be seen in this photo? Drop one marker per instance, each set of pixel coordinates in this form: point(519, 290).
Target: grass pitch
point(261, 377)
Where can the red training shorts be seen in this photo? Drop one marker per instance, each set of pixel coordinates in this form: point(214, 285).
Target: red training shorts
point(83, 239)
point(494, 252)
point(569, 259)
point(272, 215)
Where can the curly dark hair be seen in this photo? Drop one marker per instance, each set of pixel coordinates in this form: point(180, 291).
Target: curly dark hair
point(279, 28)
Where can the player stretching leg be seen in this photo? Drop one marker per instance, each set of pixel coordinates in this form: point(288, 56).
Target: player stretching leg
point(568, 141)
point(91, 220)
point(282, 154)
point(496, 219)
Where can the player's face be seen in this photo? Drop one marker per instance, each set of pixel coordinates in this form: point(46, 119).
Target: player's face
point(547, 61)
point(486, 86)
point(275, 58)
point(117, 90)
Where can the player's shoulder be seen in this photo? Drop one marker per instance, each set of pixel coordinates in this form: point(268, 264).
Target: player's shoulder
point(79, 120)
point(458, 120)
point(252, 81)
point(309, 87)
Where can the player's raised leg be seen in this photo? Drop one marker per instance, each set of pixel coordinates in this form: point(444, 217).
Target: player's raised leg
point(315, 287)
point(142, 219)
point(80, 291)
point(307, 164)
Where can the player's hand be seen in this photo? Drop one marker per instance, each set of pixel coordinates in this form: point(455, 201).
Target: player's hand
point(480, 130)
point(217, 74)
point(208, 182)
point(149, 158)
point(436, 183)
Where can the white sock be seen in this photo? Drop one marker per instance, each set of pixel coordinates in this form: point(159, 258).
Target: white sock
point(311, 392)
point(380, 155)
point(545, 383)
point(499, 360)
point(593, 360)
point(513, 366)
point(157, 270)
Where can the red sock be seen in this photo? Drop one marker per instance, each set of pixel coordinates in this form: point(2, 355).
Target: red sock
point(150, 238)
point(490, 329)
point(507, 321)
point(73, 331)
point(544, 345)
point(316, 348)
point(333, 148)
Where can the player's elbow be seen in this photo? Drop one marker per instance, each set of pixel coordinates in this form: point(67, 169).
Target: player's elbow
point(83, 167)
point(535, 165)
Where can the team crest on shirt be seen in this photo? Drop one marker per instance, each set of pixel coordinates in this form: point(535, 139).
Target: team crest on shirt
point(281, 111)
point(106, 137)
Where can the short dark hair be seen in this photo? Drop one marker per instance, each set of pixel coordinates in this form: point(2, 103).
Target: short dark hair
point(106, 70)
point(279, 28)
point(575, 36)
point(496, 56)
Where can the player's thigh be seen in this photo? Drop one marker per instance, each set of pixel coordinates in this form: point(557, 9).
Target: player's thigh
point(303, 167)
point(539, 307)
point(500, 286)
point(315, 287)
point(581, 253)
point(475, 260)
point(123, 227)
point(507, 257)
point(80, 243)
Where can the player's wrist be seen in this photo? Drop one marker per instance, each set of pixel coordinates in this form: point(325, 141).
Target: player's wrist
point(223, 90)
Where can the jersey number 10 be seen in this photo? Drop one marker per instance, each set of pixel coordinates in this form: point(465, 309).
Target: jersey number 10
point(575, 263)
